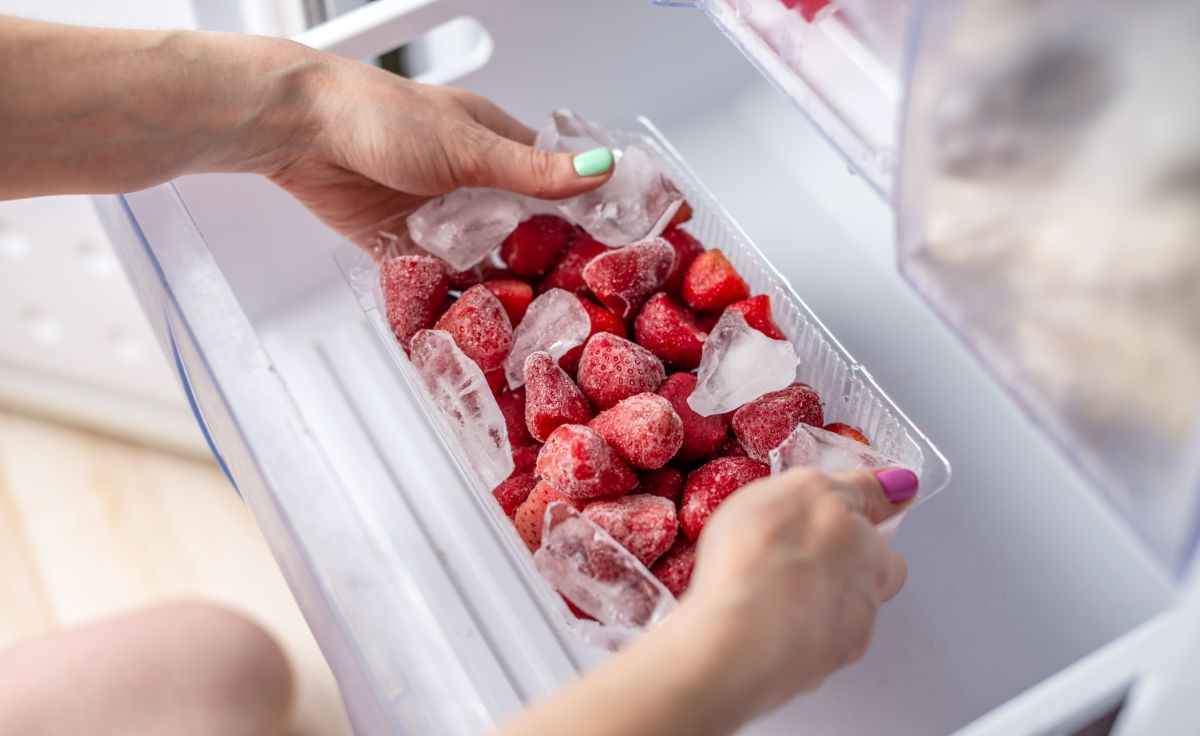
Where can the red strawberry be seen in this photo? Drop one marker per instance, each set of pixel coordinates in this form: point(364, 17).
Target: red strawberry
point(551, 397)
point(613, 368)
point(514, 295)
point(645, 525)
point(579, 612)
point(480, 327)
point(808, 8)
point(732, 448)
point(513, 490)
point(496, 381)
point(530, 516)
point(477, 274)
point(525, 458)
point(846, 430)
point(682, 215)
point(623, 278)
point(666, 482)
point(757, 311)
point(702, 436)
point(764, 423)
point(643, 429)
point(712, 483)
point(512, 406)
point(536, 244)
point(602, 321)
point(711, 283)
point(580, 464)
point(415, 291)
point(568, 272)
point(686, 249)
point(674, 569)
point(670, 330)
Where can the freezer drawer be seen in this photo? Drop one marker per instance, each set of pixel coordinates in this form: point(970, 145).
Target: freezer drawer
point(1016, 572)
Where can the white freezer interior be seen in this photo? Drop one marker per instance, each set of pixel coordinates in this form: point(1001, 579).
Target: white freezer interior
point(1016, 571)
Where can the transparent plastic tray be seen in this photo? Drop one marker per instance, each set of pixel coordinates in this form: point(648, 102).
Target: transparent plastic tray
point(850, 394)
point(842, 69)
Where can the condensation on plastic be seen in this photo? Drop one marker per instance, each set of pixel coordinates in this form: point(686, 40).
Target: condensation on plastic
point(850, 394)
point(1049, 209)
point(841, 70)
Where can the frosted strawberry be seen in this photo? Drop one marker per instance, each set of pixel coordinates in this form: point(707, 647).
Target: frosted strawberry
point(581, 465)
point(712, 483)
point(674, 569)
point(732, 448)
point(670, 330)
point(415, 291)
point(846, 430)
point(567, 274)
point(613, 368)
point(666, 482)
point(551, 397)
point(480, 327)
point(757, 311)
point(515, 295)
point(763, 424)
point(645, 525)
point(702, 436)
point(496, 381)
point(536, 244)
point(477, 274)
point(686, 249)
point(512, 406)
point(602, 321)
point(525, 458)
point(712, 283)
point(513, 490)
point(643, 429)
point(530, 516)
point(623, 278)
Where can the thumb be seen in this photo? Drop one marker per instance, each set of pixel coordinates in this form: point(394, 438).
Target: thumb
point(501, 163)
point(879, 493)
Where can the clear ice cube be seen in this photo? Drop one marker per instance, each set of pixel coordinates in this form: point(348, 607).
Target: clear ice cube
point(563, 130)
point(461, 393)
point(827, 452)
point(464, 226)
point(635, 204)
point(738, 365)
point(555, 322)
point(598, 575)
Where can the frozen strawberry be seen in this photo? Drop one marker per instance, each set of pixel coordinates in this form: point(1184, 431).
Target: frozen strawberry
point(415, 291)
point(513, 490)
point(477, 274)
point(581, 465)
point(623, 278)
point(757, 311)
point(613, 368)
point(530, 516)
point(643, 429)
point(514, 294)
point(712, 483)
point(674, 569)
point(764, 423)
point(666, 482)
point(711, 283)
point(525, 458)
point(602, 321)
point(496, 381)
point(645, 525)
point(732, 448)
point(512, 406)
point(568, 272)
point(670, 330)
point(846, 430)
point(551, 397)
point(536, 244)
point(682, 215)
point(702, 436)
point(686, 249)
point(480, 327)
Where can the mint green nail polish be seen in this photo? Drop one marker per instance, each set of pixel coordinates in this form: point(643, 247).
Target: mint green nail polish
point(593, 162)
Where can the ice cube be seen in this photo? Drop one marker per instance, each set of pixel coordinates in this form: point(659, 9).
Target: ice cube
point(555, 322)
point(462, 396)
point(598, 575)
point(563, 130)
point(738, 365)
point(464, 226)
point(635, 204)
point(827, 452)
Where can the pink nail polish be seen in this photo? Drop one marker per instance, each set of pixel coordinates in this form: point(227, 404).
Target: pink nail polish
point(899, 484)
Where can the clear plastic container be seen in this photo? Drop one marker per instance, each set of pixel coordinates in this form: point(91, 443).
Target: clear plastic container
point(850, 394)
point(842, 69)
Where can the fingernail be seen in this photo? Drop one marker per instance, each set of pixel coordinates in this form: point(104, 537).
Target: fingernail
point(899, 484)
point(593, 162)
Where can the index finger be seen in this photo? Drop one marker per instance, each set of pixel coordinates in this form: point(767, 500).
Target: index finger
point(878, 493)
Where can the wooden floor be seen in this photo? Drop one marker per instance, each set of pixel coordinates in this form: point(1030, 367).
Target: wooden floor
point(91, 526)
